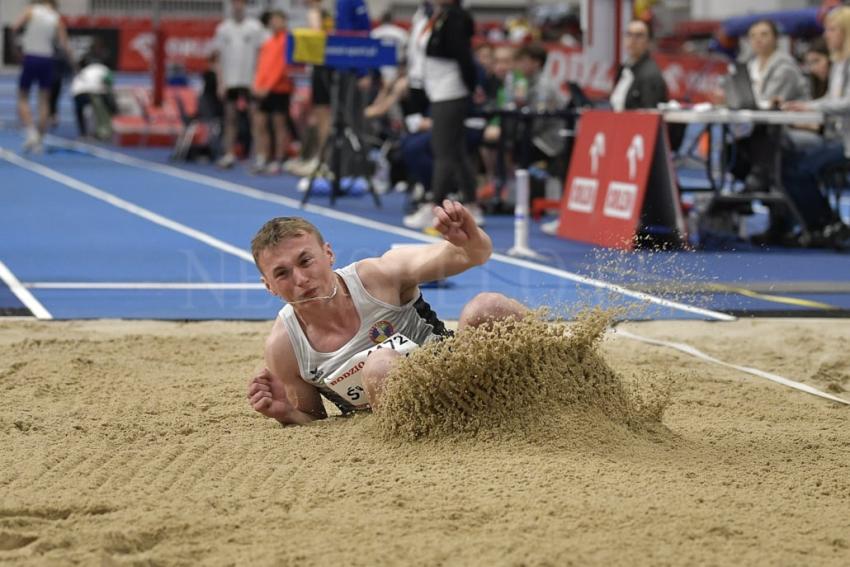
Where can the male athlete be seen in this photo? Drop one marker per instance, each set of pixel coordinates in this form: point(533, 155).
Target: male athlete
point(334, 318)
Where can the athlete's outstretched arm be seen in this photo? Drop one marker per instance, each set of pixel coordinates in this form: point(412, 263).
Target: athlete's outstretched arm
point(464, 246)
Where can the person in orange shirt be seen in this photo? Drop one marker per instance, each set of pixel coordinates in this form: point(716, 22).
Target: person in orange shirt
point(272, 87)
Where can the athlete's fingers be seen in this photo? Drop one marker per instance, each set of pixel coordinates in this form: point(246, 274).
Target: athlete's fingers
point(258, 387)
point(441, 215)
point(259, 396)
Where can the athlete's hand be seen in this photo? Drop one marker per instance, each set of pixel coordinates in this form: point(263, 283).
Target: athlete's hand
point(268, 397)
point(454, 222)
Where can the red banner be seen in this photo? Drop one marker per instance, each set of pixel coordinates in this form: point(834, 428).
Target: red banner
point(689, 78)
point(187, 42)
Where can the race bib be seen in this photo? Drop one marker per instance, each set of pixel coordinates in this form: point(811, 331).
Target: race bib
point(346, 381)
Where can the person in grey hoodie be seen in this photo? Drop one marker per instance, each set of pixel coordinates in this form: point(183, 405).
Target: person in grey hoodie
point(801, 171)
point(775, 78)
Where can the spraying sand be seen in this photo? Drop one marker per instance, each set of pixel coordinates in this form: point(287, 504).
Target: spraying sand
point(133, 444)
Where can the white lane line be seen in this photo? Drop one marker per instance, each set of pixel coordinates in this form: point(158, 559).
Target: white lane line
point(143, 285)
point(23, 294)
point(131, 208)
point(246, 191)
point(688, 349)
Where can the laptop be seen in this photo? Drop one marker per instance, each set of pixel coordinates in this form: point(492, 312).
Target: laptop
point(739, 88)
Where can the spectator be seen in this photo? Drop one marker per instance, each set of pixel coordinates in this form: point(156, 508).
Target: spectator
point(398, 36)
point(92, 87)
point(42, 28)
point(450, 79)
point(638, 83)
point(775, 75)
point(419, 30)
point(487, 79)
point(816, 65)
point(320, 100)
point(775, 78)
point(237, 40)
point(272, 88)
point(544, 96)
point(816, 60)
point(801, 171)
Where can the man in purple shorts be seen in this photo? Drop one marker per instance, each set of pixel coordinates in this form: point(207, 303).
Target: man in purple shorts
point(42, 28)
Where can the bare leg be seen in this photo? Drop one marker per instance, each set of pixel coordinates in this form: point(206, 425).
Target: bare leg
point(488, 307)
point(322, 114)
point(375, 372)
point(24, 109)
point(43, 110)
point(261, 136)
point(281, 136)
point(230, 125)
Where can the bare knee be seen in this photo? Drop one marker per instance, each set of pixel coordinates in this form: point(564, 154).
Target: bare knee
point(375, 373)
point(488, 307)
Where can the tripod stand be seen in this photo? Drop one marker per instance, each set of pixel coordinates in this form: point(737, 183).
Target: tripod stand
point(343, 84)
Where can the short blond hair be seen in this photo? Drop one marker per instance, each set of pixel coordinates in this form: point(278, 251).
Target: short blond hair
point(840, 16)
point(279, 229)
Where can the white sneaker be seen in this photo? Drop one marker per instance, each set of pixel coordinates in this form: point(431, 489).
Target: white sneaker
point(551, 227)
point(422, 218)
point(273, 168)
point(305, 167)
point(259, 164)
point(291, 163)
point(32, 140)
point(226, 161)
point(477, 213)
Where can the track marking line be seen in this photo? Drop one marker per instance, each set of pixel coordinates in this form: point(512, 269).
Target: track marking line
point(772, 298)
point(23, 294)
point(688, 349)
point(127, 206)
point(250, 192)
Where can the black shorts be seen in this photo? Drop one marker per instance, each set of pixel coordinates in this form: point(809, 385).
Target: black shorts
point(235, 93)
point(321, 85)
point(275, 103)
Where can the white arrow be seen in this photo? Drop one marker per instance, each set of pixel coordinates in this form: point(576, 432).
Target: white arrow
point(597, 150)
point(634, 153)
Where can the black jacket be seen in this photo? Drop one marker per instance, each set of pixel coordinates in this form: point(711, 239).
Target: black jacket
point(648, 88)
point(451, 38)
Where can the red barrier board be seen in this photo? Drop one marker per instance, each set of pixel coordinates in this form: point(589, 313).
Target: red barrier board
point(619, 164)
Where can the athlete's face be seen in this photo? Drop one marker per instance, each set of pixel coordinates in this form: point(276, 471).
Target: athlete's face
point(298, 268)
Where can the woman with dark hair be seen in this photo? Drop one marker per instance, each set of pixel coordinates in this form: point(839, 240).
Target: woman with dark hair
point(816, 61)
point(450, 79)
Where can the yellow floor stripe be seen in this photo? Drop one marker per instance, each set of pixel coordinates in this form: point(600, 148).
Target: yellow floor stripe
point(774, 298)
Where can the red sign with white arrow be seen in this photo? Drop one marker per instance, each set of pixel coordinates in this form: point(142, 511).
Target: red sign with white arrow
point(609, 175)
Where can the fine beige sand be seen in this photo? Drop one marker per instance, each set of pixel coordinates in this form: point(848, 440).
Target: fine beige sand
point(132, 443)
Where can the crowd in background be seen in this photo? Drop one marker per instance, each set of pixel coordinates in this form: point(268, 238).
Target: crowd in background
point(443, 120)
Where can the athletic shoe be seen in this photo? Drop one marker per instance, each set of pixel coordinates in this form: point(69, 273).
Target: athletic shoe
point(477, 213)
point(422, 218)
point(551, 227)
point(259, 165)
point(273, 168)
point(226, 161)
point(31, 140)
point(305, 167)
point(293, 162)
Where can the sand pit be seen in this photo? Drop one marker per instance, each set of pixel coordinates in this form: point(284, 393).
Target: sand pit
point(128, 443)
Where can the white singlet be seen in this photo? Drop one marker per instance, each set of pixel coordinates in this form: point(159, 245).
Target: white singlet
point(40, 33)
point(378, 321)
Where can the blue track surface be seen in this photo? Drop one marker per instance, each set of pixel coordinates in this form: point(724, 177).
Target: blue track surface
point(82, 257)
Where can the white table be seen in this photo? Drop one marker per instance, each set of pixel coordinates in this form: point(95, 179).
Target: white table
point(726, 117)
